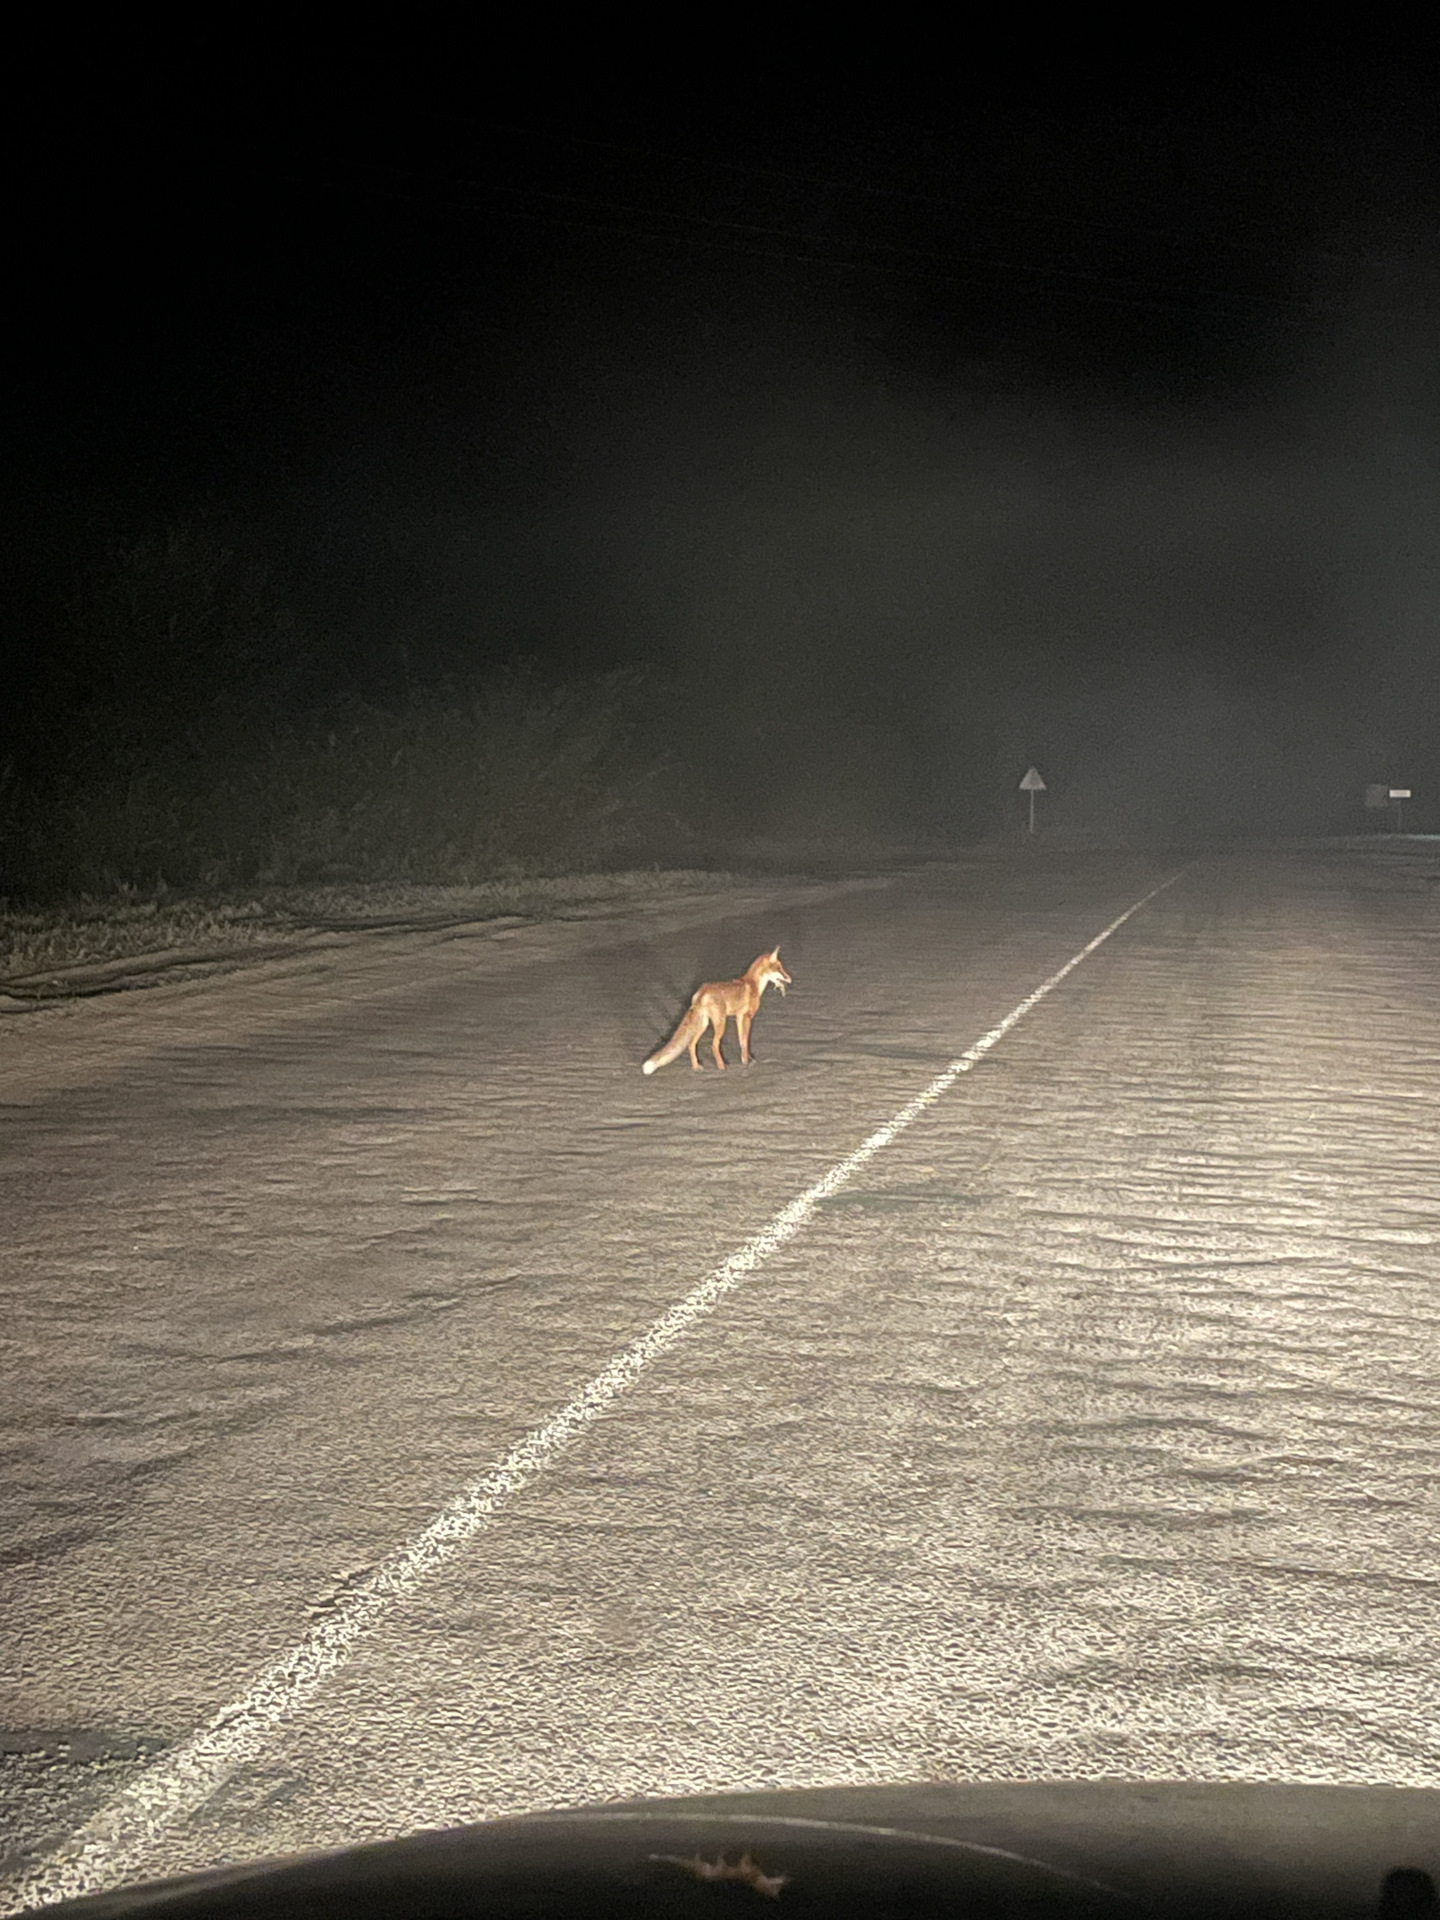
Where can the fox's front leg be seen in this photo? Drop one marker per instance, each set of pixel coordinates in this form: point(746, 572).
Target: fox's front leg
point(717, 1030)
point(742, 1027)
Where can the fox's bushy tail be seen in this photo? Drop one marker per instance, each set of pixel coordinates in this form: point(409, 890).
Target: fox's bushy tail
point(690, 1028)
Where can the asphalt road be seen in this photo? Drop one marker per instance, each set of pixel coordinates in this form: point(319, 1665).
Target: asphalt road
point(1090, 1430)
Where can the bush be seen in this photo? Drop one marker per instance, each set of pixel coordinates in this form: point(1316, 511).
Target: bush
point(461, 782)
point(456, 783)
point(171, 730)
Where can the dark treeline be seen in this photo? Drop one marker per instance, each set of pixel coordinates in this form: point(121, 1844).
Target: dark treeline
point(172, 723)
point(179, 718)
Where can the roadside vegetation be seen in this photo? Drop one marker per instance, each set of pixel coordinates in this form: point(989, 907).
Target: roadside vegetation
point(175, 767)
point(181, 778)
point(186, 770)
point(182, 738)
point(40, 943)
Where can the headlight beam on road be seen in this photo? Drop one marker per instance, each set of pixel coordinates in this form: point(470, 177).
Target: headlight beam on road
point(112, 1846)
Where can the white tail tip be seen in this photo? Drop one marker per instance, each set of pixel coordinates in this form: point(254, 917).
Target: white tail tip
point(649, 1067)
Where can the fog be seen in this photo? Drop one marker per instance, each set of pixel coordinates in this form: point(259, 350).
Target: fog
point(872, 600)
point(885, 483)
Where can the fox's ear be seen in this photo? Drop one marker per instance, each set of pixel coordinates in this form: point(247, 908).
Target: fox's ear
point(775, 953)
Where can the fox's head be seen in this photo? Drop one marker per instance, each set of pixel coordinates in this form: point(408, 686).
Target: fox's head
point(769, 972)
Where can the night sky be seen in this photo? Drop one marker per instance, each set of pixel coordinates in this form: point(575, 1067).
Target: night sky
point(902, 445)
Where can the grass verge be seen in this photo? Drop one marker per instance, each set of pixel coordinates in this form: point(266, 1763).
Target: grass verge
point(39, 946)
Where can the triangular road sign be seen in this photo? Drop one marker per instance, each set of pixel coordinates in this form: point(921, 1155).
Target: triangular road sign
point(1032, 783)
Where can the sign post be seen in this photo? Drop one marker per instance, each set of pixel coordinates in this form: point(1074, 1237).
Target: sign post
point(1032, 784)
point(1398, 797)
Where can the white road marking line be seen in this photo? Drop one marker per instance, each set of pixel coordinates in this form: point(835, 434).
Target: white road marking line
point(111, 1846)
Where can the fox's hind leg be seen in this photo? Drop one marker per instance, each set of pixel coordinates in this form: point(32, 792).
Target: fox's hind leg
point(695, 1039)
point(717, 1033)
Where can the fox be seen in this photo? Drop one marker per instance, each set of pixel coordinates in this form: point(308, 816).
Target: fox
point(717, 1002)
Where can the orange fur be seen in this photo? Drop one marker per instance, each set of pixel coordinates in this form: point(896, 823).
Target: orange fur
point(717, 1002)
